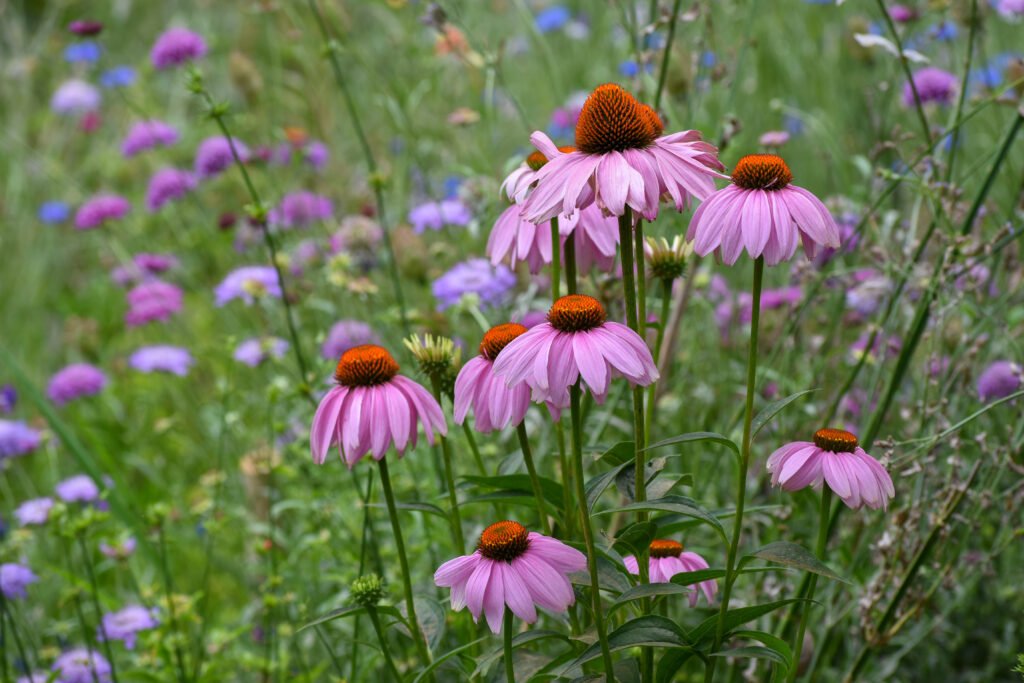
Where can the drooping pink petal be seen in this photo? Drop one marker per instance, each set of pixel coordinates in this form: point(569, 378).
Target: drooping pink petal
point(325, 420)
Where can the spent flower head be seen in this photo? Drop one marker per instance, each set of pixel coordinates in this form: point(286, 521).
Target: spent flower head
point(668, 260)
point(368, 590)
point(438, 357)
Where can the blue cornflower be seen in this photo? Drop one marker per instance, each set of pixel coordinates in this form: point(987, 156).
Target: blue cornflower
point(118, 77)
point(553, 18)
point(86, 52)
point(54, 212)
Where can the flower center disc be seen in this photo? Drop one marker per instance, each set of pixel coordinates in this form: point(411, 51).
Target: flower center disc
point(613, 120)
point(503, 541)
point(498, 337)
point(835, 440)
point(537, 160)
point(576, 313)
point(663, 547)
point(761, 172)
point(365, 366)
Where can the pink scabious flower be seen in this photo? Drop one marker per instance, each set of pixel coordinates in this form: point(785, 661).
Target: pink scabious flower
point(119, 550)
point(762, 213)
point(248, 283)
point(1011, 9)
point(78, 489)
point(346, 334)
point(161, 358)
point(576, 342)
point(143, 267)
point(301, 209)
point(835, 458)
point(933, 85)
point(495, 405)
point(436, 215)
point(372, 408)
point(166, 185)
point(213, 156)
point(34, 512)
point(75, 381)
point(773, 138)
point(75, 97)
point(152, 301)
point(17, 439)
point(514, 567)
point(667, 558)
point(621, 160)
point(125, 624)
point(145, 135)
point(176, 46)
point(254, 352)
point(99, 209)
point(999, 380)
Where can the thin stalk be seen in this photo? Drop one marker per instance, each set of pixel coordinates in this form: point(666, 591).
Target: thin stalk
point(169, 595)
point(652, 391)
point(823, 518)
point(335, 662)
point(403, 560)
point(474, 449)
point(375, 618)
point(556, 258)
point(538, 492)
point(7, 615)
point(371, 162)
point(95, 594)
point(588, 532)
point(663, 73)
point(506, 637)
point(741, 484)
point(905, 63)
point(570, 263)
point(449, 477)
point(567, 478)
point(641, 279)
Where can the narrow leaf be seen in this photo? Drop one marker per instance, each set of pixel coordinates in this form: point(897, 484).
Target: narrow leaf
point(697, 437)
point(793, 555)
point(648, 590)
point(679, 505)
point(773, 409)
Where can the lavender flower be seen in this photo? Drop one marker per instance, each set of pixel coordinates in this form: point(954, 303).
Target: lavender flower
point(151, 301)
point(247, 283)
point(125, 625)
point(492, 284)
point(82, 666)
point(162, 358)
point(143, 267)
point(8, 398)
point(166, 185)
point(435, 215)
point(75, 97)
point(214, 155)
point(176, 46)
point(999, 380)
point(99, 209)
point(316, 154)
point(301, 209)
point(15, 579)
point(1010, 9)
point(344, 335)
point(933, 85)
point(118, 550)
point(17, 438)
point(253, 352)
point(75, 381)
point(146, 135)
point(33, 512)
point(78, 489)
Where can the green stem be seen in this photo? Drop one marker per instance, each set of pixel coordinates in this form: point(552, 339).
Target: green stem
point(169, 597)
point(570, 263)
point(556, 259)
point(567, 478)
point(588, 532)
point(538, 492)
point(471, 440)
point(403, 561)
point(905, 63)
point(663, 74)
point(335, 662)
point(641, 279)
point(449, 477)
point(506, 637)
point(95, 594)
point(823, 518)
point(5, 616)
point(382, 639)
point(652, 391)
point(741, 484)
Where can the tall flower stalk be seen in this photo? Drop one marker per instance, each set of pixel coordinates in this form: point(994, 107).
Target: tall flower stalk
point(824, 511)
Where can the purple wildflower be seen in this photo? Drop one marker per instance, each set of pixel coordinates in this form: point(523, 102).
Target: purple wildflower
point(75, 97)
point(316, 154)
point(85, 27)
point(436, 215)
point(162, 358)
point(78, 489)
point(125, 625)
point(253, 352)
point(890, 344)
point(346, 334)
point(8, 398)
point(99, 209)
point(34, 511)
point(176, 46)
point(933, 85)
point(14, 579)
point(247, 283)
point(17, 438)
point(999, 380)
point(145, 135)
point(82, 666)
point(492, 284)
point(301, 209)
point(1010, 9)
point(770, 300)
point(74, 381)
point(118, 550)
point(214, 155)
point(166, 185)
point(151, 301)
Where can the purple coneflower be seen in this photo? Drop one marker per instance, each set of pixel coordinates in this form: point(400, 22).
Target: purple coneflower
point(621, 159)
point(152, 301)
point(162, 358)
point(99, 209)
point(667, 558)
point(78, 489)
point(372, 407)
point(81, 665)
point(33, 512)
point(75, 97)
point(999, 380)
point(514, 567)
point(125, 625)
point(835, 458)
point(762, 213)
point(75, 381)
point(346, 334)
point(576, 342)
point(933, 85)
point(213, 156)
point(17, 439)
point(15, 579)
point(176, 46)
point(495, 405)
point(248, 283)
point(300, 210)
point(145, 135)
point(254, 352)
point(436, 215)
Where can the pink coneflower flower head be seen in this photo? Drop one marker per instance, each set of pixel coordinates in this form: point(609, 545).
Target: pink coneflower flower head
point(835, 458)
point(514, 567)
point(762, 212)
point(515, 239)
point(933, 85)
point(372, 408)
point(495, 405)
point(596, 237)
point(621, 159)
point(576, 342)
point(145, 135)
point(176, 46)
point(100, 209)
point(668, 558)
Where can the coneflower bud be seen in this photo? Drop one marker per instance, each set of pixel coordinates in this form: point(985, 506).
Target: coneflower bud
point(368, 590)
point(438, 358)
point(668, 261)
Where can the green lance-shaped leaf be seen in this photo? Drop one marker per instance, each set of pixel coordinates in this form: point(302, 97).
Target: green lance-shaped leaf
point(793, 555)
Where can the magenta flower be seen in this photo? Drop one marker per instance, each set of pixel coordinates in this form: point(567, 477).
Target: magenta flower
point(575, 343)
point(999, 380)
point(835, 458)
point(511, 566)
point(176, 46)
point(85, 27)
point(316, 154)
point(144, 135)
point(125, 625)
point(621, 159)
point(34, 511)
point(99, 209)
point(78, 489)
point(15, 579)
point(346, 334)
point(1010, 9)
point(75, 381)
point(143, 267)
point(166, 185)
point(17, 439)
point(372, 408)
point(75, 97)
point(162, 358)
point(213, 156)
point(762, 212)
point(248, 283)
point(152, 301)
point(933, 85)
point(667, 558)
point(495, 405)
point(301, 209)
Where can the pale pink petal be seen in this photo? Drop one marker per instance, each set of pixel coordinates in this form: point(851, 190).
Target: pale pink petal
point(476, 587)
point(494, 598)
point(325, 420)
point(517, 595)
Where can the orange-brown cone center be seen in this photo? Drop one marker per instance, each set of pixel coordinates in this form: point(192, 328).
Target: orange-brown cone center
point(576, 313)
point(498, 337)
point(835, 440)
point(663, 547)
point(761, 172)
point(503, 541)
point(537, 160)
point(613, 120)
point(365, 366)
